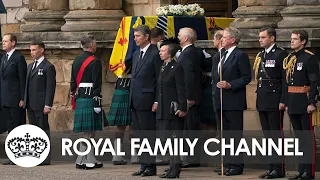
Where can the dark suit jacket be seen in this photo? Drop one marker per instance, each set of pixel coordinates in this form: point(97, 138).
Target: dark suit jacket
point(237, 71)
point(144, 79)
point(13, 79)
point(41, 87)
point(171, 87)
point(190, 59)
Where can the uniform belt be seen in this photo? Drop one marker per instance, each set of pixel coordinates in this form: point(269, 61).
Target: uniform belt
point(86, 85)
point(298, 89)
point(207, 74)
point(269, 81)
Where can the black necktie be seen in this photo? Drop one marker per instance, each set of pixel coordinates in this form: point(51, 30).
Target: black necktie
point(35, 65)
point(6, 58)
point(224, 55)
point(141, 54)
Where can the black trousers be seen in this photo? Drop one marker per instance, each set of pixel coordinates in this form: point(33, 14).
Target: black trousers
point(232, 128)
point(38, 118)
point(303, 130)
point(272, 127)
point(144, 126)
point(14, 116)
point(171, 128)
point(192, 131)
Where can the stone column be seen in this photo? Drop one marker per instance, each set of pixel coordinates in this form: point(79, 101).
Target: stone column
point(45, 15)
point(301, 14)
point(251, 15)
point(93, 15)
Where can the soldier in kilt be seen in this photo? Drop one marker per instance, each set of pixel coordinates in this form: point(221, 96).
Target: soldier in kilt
point(86, 92)
point(119, 114)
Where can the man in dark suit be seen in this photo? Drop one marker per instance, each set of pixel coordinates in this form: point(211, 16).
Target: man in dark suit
point(13, 78)
point(146, 64)
point(40, 89)
point(215, 75)
point(236, 74)
point(190, 59)
point(271, 81)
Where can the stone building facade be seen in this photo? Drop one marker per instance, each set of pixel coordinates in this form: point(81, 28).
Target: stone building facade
point(61, 24)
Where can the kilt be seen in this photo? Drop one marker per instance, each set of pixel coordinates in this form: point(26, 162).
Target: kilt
point(119, 113)
point(85, 118)
point(207, 111)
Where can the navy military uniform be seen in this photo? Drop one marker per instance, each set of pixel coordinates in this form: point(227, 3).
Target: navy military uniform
point(302, 75)
point(270, 78)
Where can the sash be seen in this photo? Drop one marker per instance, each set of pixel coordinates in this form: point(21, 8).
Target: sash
point(79, 77)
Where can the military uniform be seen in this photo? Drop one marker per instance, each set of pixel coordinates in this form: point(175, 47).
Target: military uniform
point(302, 75)
point(270, 78)
point(87, 117)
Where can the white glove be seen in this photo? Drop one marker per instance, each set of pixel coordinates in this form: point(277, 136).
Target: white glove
point(206, 55)
point(97, 110)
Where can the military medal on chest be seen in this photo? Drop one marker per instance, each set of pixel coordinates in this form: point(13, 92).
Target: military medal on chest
point(40, 72)
point(270, 63)
point(299, 66)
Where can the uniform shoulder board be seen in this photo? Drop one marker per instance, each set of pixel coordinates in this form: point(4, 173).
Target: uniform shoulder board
point(281, 48)
point(309, 52)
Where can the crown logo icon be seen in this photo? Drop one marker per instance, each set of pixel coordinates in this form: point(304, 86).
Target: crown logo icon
point(27, 146)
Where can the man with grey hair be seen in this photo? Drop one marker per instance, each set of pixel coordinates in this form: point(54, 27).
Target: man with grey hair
point(146, 65)
point(86, 81)
point(235, 70)
point(190, 59)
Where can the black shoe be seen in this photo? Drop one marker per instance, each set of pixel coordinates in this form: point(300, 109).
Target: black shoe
point(122, 162)
point(189, 165)
point(165, 174)
point(173, 175)
point(80, 166)
point(148, 172)
point(306, 176)
point(274, 175)
point(138, 173)
point(217, 170)
point(89, 166)
point(296, 176)
point(262, 176)
point(98, 165)
point(233, 172)
point(8, 162)
point(167, 170)
point(224, 172)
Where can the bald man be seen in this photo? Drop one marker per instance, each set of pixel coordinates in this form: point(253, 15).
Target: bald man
point(190, 59)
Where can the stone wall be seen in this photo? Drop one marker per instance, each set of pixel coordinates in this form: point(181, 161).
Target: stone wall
point(11, 21)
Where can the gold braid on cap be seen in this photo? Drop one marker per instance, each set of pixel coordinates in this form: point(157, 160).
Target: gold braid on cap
point(289, 66)
point(256, 65)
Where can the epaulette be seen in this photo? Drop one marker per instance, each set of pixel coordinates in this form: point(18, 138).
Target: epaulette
point(309, 52)
point(281, 48)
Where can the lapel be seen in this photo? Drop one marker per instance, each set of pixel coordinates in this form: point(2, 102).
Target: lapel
point(40, 66)
point(10, 61)
point(183, 52)
point(229, 60)
point(143, 60)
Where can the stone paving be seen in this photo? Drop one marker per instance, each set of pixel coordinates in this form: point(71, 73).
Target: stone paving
point(67, 171)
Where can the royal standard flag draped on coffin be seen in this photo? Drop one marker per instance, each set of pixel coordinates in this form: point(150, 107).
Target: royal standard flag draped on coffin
point(124, 45)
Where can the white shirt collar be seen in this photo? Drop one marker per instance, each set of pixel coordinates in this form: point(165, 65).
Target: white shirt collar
point(269, 49)
point(10, 53)
point(40, 60)
point(230, 50)
point(145, 49)
point(186, 47)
